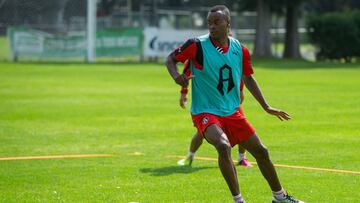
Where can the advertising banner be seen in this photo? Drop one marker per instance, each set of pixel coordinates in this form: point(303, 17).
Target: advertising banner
point(160, 42)
point(26, 42)
point(123, 42)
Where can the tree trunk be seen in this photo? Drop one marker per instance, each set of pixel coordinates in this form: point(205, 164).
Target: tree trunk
point(262, 46)
point(60, 20)
point(292, 46)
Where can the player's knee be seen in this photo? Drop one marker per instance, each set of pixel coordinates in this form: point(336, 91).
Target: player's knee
point(223, 147)
point(262, 153)
point(197, 138)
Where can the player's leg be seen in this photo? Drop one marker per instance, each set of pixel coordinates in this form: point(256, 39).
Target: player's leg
point(196, 142)
point(215, 136)
point(242, 160)
point(261, 154)
point(239, 117)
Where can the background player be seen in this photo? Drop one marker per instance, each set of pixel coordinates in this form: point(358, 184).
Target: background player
point(197, 139)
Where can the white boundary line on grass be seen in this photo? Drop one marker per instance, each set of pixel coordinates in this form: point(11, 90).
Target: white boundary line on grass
point(282, 165)
point(53, 157)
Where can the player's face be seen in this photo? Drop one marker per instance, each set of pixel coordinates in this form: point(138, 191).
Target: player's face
point(218, 24)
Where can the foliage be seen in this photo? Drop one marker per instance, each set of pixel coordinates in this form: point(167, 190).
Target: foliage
point(336, 35)
point(325, 6)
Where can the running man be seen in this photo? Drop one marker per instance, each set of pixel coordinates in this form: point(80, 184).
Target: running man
point(216, 74)
point(197, 139)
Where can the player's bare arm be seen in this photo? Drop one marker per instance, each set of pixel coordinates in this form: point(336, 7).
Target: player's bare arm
point(254, 89)
point(180, 79)
point(183, 100)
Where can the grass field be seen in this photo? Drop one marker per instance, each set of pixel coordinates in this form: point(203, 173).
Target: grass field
point(132, 112)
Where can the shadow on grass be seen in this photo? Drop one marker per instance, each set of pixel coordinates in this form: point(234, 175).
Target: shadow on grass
point(164, 171)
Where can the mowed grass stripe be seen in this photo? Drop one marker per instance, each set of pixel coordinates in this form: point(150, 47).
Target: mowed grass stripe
point(54, 157)
point(281, 165)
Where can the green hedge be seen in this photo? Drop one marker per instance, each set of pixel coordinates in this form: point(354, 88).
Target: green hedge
point(336, 35)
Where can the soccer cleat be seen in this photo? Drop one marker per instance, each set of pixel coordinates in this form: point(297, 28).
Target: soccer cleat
point(286, 199)
point(244, 163)
point(187, 161)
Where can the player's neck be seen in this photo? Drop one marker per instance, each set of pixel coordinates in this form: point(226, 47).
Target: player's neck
point(221, 41)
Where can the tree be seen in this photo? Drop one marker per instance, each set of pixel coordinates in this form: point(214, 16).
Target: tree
point(262, 46)
point(324, 6)
point(293, 11)
point(292, 42)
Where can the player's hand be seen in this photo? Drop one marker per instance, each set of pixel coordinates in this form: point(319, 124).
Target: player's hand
point(183, 80)
point(282, 115)
point(183, 100)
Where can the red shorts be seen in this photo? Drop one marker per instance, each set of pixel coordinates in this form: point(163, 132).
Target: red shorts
point(235, 126)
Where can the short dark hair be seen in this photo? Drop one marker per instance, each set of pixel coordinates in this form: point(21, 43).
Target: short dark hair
point(221, 8)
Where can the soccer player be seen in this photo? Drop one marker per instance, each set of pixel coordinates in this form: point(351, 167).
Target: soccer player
point(216, 74)
point(197, 139)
